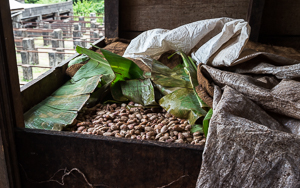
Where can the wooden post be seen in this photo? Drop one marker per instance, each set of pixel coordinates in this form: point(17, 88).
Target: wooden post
point(46, 34)
point(54, 43)
point(97, 26)
point(60, 57)
point(95, 35)
point(27, 72)
point(71, 15)
point(16, 21)
point(93, 24)
point(52, 59)
point(56, 16)
point(11, 113)
point(76, 34)
point(111, 18)
point(83, 42)
point(77, 42)
point(57, 36)
point(24, 57)
point(28, 44)
point(39, 21)
point(65, 27)
point(82, 24)
point(20, 33)
point(93, 15)
point(254, 17)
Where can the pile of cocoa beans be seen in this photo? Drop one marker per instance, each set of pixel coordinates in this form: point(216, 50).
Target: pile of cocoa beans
point(135, 122)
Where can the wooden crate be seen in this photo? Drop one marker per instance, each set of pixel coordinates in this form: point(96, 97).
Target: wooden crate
point(109, 161)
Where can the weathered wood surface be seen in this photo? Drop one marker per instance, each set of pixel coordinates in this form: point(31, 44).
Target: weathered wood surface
point(106, 161)
point(4, 181)
point(281, 40)
point(280, 23)
point(281, 17)
point(111, 18)
point(255, 12)
point(142, 15)
point(11, 114)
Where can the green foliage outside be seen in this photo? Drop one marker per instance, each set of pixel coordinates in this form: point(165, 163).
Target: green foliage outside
point(85, 7)
point(31, 1)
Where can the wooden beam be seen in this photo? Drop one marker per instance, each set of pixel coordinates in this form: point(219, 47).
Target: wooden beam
point(11, 114)
point(256, 8)
point(111, 18)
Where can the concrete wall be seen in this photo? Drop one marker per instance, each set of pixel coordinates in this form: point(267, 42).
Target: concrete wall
point(47, 9)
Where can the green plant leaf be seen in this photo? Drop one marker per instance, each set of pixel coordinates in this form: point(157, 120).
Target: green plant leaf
point(183, 104)
point(93, 68)
point(139, 91)
point(197, 128)
point(116, 92)
point(123, 67)
point(93, 55)
point(206, 121)
point(191, 70)
point(78, 59)
point(169, 80)
point(60, 109)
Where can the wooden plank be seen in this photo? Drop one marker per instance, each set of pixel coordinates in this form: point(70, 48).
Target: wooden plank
point(105, 161)
point(255, 12)
point(142, 15)
point(281, 17)
point(281, 40)
point(111, 18)
point(40, 88)
point(4, 181)
point(11, 114)
point(129, 34)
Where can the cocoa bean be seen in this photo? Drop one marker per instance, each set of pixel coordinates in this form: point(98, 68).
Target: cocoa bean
point(147, 129)
point(118, 135)
point(179, 141)
point(107, 134)
point(164, 129)
point(81, 128)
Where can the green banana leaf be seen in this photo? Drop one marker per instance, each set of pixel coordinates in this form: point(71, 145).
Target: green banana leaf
point(44, 117)
point(116, 92)
point(93, 55)
point(60, 109)
point(169, 78)
point(83, 86)
point(139, 91)
point(191, 70)
point(206, 121)
point(93, 68)
point(78, 59)
point(197, 128)
point(123, 67)
point(183, 104)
